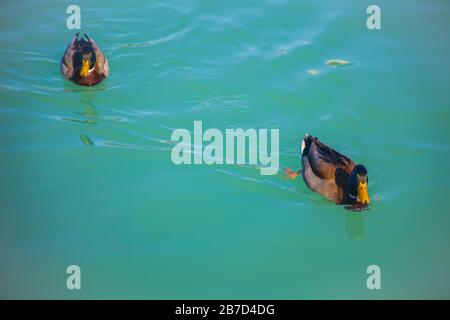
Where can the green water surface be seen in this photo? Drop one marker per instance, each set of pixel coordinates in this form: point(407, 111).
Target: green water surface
point(87, 179)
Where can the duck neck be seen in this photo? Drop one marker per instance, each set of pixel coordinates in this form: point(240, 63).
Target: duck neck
point(352, 192)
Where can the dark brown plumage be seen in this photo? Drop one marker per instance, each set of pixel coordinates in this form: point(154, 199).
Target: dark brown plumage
point(85, 51)
point(332, 174)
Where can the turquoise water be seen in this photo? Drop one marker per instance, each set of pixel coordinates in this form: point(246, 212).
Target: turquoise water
point(87, 178)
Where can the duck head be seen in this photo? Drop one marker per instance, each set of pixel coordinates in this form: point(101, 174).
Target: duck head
point(358, 189)
point(87, 62)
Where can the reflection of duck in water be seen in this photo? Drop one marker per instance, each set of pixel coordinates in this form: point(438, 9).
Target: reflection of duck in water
point(332, 174)
point(87, 102)
point(89, 113)
point(83, 62)
point(354, 225)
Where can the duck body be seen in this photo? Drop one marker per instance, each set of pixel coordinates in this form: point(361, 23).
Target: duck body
point(83, 62)
point(332, 174)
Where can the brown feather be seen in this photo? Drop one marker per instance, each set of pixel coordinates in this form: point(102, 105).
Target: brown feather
point(325, 170)
point(71, 62)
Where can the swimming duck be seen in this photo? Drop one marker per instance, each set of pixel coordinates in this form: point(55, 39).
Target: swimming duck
point(332, 174)
point(83, 62)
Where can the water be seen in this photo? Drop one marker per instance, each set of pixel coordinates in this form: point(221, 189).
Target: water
point(87, 177)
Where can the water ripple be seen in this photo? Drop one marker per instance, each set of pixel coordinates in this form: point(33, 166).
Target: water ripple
point(170, 37)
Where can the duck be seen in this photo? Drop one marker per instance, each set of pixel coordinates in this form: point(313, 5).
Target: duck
point(332, 174)
point(83, 62)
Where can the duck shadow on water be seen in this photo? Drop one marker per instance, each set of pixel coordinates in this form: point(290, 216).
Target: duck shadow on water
point(354, 216)
point(87, 96)
point(354, 225)
point(89, 114)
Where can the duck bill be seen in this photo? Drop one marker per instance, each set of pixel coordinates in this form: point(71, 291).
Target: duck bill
point(84, 68)
point(363, 194)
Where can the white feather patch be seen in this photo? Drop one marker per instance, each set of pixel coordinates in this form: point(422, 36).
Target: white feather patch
point(304, 141)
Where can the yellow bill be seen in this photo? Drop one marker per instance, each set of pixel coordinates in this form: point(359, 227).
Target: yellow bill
point(363, 194)
point(84, 68)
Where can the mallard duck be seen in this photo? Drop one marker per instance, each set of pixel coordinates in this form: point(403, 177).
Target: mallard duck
point(83, 62)
point(332, 174)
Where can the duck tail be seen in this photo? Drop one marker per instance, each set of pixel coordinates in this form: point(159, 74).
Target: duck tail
point(306, 142)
